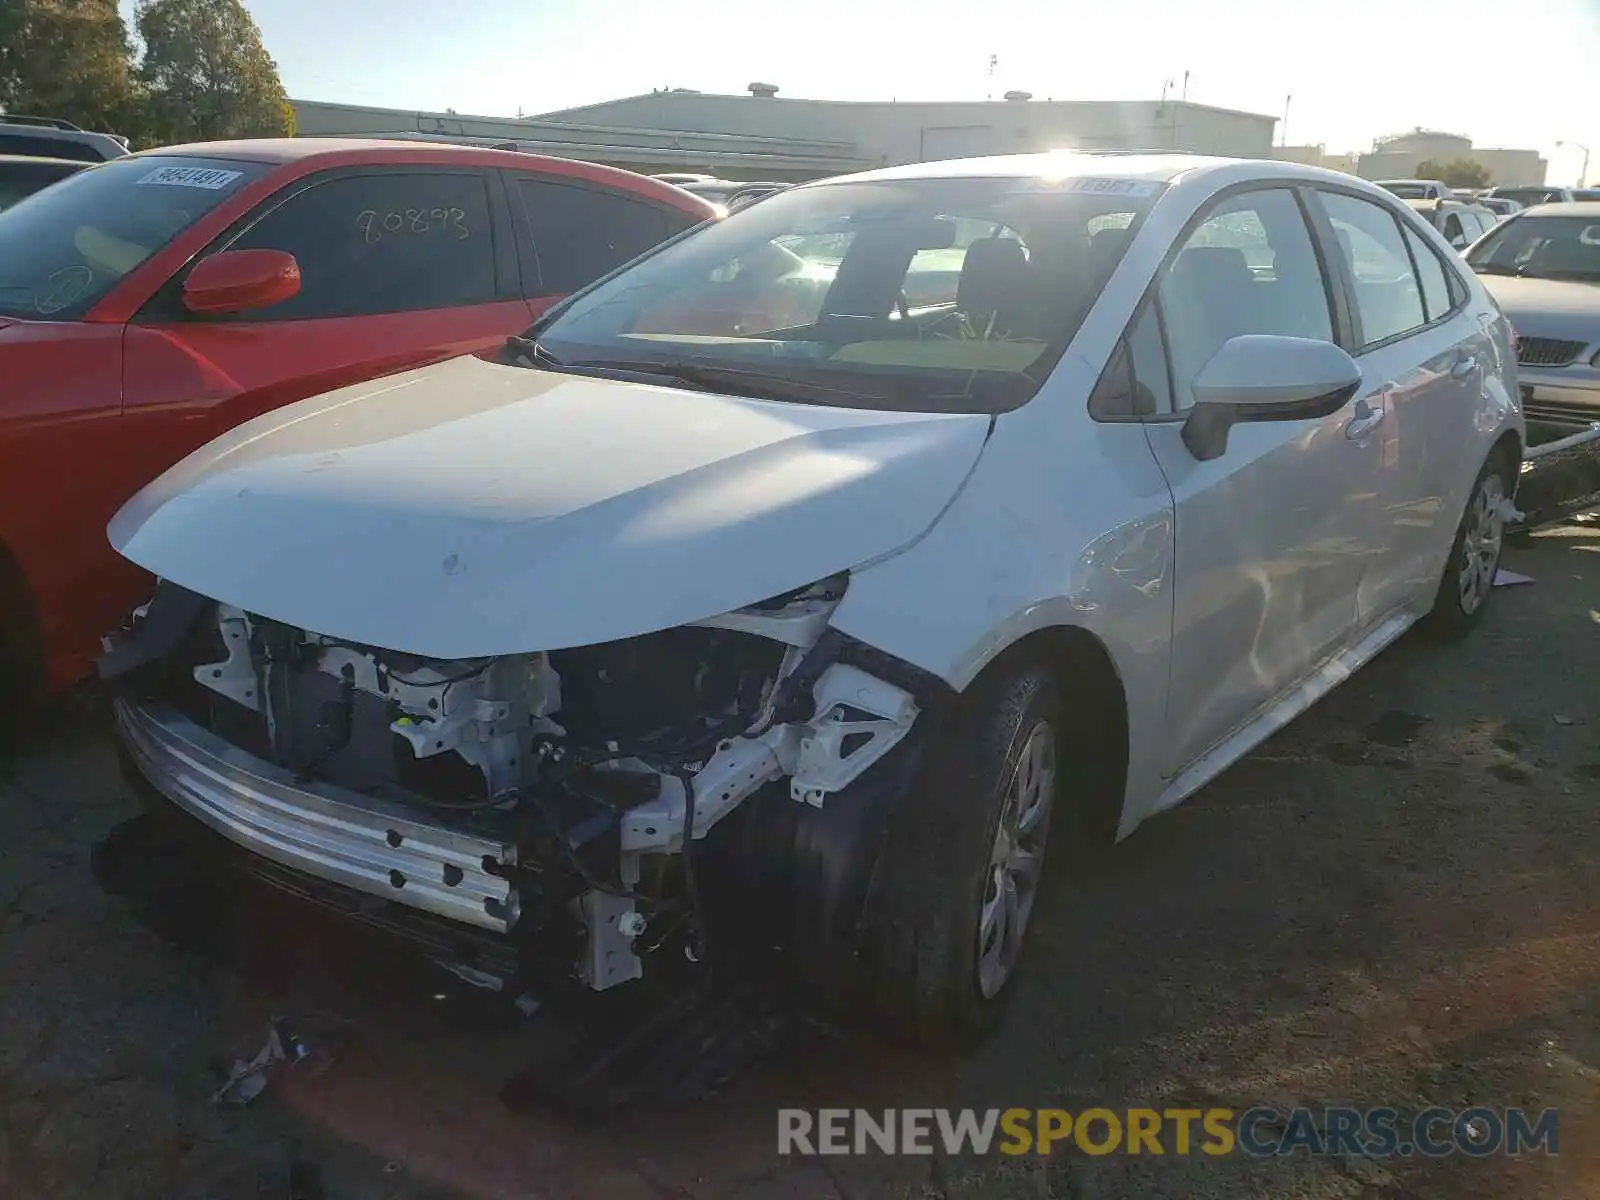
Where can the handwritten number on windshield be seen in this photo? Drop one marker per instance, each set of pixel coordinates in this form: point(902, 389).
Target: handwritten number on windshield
point(403, 222)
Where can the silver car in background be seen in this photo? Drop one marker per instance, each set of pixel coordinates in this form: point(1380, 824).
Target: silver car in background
point(1543, 267)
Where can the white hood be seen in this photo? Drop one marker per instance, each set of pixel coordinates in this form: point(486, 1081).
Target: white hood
point(471, 509)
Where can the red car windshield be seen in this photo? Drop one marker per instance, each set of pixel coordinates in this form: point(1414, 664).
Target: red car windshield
point(65, 247)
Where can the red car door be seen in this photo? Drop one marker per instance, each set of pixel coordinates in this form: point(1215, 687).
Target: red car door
point(400, 266)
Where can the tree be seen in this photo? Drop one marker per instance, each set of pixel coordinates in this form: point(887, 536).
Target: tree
point(66, 58)
point(1456, 173)
point(206, 74)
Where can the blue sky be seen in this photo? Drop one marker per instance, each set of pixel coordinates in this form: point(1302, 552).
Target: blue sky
point(1356, 68)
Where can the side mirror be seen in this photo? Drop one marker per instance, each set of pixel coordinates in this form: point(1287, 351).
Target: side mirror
point(240, 281)
point(1263, 377)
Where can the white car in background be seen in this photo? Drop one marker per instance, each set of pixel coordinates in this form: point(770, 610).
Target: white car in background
point(1502, 207)
point(1543, 267)
point(735, 610)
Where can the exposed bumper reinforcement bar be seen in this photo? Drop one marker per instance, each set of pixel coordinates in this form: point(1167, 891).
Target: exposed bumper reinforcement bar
point(360, 842)
point(1560, 478)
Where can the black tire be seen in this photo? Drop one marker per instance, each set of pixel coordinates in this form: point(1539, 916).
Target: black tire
point(1452, 616)
point(920, 958)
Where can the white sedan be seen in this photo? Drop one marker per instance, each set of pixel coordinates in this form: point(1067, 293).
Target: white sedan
point(760, 597)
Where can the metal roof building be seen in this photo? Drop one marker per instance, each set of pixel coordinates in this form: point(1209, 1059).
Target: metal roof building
point(764, 136)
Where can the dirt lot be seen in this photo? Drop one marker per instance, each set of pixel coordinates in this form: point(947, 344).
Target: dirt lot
point(1395, 901)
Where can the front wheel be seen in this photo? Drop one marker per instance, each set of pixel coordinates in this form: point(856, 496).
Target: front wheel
point(963, 862)
point(1475, 555)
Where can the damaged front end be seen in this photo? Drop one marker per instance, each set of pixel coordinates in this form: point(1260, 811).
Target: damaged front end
point(1560, 473)
point(554, 802)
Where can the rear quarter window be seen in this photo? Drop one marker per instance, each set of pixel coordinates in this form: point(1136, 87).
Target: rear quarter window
point(580, 232)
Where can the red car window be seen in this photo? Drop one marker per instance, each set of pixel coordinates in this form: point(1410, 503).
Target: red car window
point(382, 243)
point(581, 233)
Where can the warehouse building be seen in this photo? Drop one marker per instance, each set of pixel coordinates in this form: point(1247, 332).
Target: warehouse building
point(763, 136)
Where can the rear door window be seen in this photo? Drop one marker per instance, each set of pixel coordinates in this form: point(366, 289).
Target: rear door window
point(1436, 296)
point(395, 241)
point(1387, 293)
point(581, 232)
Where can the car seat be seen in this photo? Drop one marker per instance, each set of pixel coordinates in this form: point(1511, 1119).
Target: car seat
point(993, 287)
point(1209, 297)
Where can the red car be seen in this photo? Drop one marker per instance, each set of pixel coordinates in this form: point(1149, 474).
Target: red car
point(155, 301)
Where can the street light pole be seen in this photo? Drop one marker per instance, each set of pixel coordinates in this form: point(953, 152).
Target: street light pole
point(1583, 173)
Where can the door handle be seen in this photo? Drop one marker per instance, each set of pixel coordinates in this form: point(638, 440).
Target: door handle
point(1465, 365)
point(1369, 415)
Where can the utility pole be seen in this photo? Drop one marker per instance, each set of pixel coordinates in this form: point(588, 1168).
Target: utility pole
point(1186, 86)
point(1583, 172)
point(1284, 129)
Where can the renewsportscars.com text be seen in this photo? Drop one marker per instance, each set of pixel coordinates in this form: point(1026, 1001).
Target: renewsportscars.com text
point(1260, 1132)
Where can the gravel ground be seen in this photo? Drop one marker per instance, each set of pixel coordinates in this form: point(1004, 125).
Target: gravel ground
point(1396, 901)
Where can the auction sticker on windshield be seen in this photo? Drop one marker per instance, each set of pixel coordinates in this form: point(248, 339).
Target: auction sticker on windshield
point(208, 178)
point(1113, 187)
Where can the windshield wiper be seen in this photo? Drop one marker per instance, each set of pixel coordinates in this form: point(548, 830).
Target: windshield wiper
point(760, 384)
point(530, 349)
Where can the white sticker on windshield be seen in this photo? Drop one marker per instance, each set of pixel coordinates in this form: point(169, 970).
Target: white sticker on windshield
point(209, 178)
point(1113, 187)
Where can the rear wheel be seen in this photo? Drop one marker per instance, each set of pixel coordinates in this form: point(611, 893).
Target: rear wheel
point(1475, 555)
point(963, 862)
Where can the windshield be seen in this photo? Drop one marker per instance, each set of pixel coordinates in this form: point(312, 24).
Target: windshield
point(1409, 191)
point(1528, 197)
point(1541, 248)
point(62, 249)
point(931, 294)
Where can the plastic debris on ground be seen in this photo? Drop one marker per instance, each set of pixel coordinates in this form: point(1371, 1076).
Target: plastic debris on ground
point(247, 1080)
point(1505, 578)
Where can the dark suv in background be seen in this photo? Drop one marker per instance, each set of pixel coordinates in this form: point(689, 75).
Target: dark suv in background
point(51, 137)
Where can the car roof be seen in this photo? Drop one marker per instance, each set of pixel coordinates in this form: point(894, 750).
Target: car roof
point(1130, 166)
point(284, 150)
point(1144, 166)
point(1575, 208)
point(1440, 204)
point(334, 152)
point(43, 161)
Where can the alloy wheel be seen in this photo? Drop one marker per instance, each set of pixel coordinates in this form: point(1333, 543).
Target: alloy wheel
point(1482, 539)
point(1016, 860)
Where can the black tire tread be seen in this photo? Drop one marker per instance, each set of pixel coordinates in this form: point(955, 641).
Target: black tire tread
point(917, 967)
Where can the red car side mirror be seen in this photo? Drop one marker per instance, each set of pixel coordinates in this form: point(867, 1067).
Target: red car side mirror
point(241, 280)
